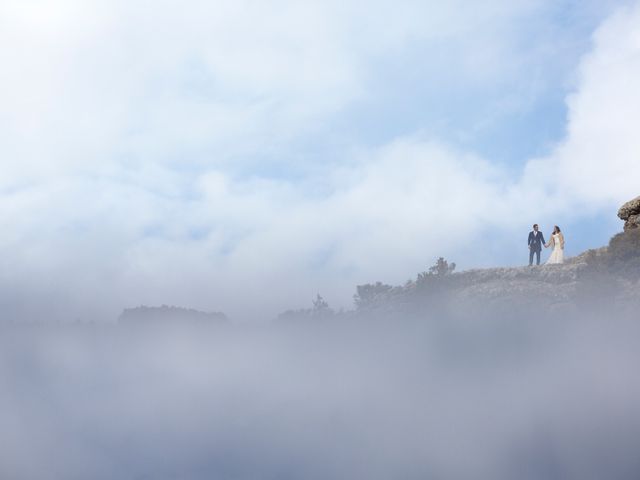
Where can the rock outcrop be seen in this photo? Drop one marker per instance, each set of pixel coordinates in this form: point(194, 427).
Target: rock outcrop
point(630, 213)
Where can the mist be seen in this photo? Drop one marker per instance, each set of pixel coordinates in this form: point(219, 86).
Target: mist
point(236, 158)
point(470, 395)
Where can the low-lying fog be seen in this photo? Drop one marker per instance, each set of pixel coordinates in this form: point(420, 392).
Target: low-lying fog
point(550, 398)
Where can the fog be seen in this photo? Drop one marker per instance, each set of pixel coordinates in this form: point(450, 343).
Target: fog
point(241, 156)
point(414, 397)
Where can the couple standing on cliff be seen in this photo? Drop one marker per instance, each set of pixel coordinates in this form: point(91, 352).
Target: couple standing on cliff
point(536, 240)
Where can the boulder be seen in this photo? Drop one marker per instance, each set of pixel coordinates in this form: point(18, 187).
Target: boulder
point(630, 213)
point(632, 222)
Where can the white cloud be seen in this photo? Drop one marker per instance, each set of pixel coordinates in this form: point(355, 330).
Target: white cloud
point(93, 83)
point(599, 163)
point(122, 129)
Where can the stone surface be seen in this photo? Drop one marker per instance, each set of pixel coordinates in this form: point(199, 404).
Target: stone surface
point(630, 213)
point(543, 288)
point(632, 222)
point(632, 207)
point(593, 255)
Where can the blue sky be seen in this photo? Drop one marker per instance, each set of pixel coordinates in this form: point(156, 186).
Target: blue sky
point(202, 153)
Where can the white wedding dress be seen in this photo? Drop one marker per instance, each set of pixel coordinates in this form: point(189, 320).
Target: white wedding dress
point(557, 255)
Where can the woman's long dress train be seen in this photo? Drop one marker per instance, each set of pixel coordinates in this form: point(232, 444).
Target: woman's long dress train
point(557, 255)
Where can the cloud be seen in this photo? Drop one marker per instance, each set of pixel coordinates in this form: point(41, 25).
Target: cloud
point(598, 162)
point(163, 156)
point(94, 84)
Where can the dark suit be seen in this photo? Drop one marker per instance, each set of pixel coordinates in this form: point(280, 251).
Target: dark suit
point(535, 243)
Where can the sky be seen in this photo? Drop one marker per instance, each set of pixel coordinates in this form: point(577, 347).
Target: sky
point(244, 156)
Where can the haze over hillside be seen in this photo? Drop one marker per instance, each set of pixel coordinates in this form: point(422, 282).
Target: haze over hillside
point(202, 153)
point(229, 229)
point(492, 374)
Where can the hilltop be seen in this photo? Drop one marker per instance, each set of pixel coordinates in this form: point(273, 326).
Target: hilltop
point(597, 279)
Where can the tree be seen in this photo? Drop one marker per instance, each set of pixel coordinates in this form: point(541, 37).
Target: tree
point(369, 293)
point(321, 307)
point(440, 269)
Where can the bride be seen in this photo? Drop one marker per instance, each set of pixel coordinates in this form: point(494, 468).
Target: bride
point(557, 240)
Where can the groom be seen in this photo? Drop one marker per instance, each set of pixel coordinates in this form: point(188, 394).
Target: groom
point(535, 241)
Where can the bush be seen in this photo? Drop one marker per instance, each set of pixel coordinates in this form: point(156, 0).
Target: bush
point(320, 310)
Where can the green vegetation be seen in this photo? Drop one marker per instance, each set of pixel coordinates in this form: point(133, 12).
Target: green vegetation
point(366, 295)
point(320, 310)
point(440, 269)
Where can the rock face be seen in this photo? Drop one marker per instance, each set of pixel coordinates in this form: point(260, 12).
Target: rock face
point(630, 213)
